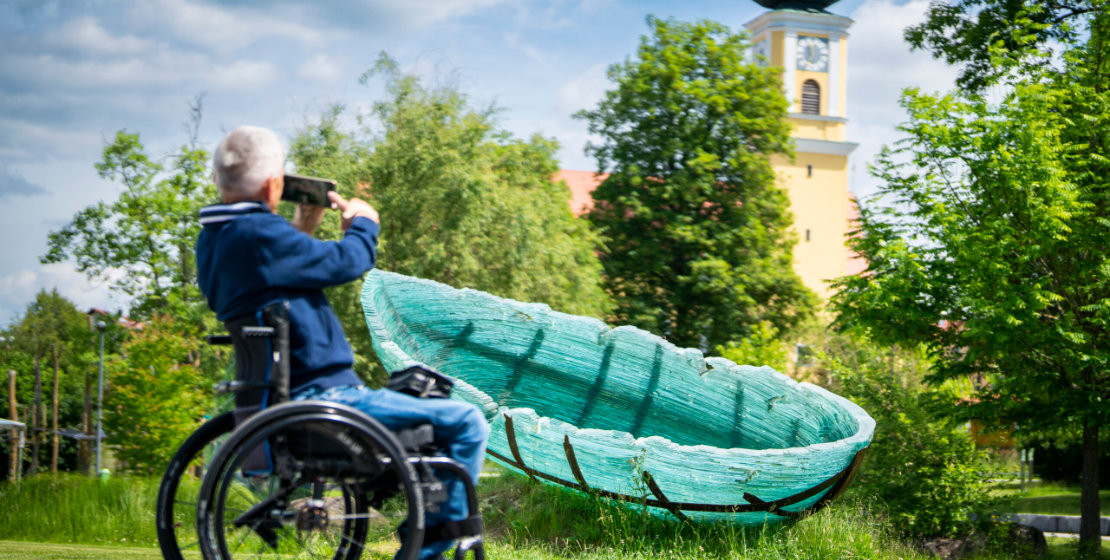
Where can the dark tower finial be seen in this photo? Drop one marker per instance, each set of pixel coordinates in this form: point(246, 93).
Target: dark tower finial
point(805, 5)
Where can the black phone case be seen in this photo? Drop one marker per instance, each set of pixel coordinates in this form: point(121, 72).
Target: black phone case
point(307, 190)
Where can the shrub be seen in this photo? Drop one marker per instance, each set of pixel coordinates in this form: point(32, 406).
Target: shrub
point(921, 466)
point(761, 348)
point(156, 399)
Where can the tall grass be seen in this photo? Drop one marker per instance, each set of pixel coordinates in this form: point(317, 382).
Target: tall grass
point(77, 509)
point(530, 520)
point(524, 521)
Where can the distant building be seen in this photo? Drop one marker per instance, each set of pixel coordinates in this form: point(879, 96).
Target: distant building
point(96, 314)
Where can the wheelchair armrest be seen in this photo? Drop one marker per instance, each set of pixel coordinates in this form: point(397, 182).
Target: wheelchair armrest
point(225, 387)
point(257, 332)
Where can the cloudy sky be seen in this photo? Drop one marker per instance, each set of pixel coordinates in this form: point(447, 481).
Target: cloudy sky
point(73, 72)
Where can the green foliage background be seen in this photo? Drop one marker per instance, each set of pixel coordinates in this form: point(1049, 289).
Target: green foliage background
point(697, 240)
point(988, 241)
point(461, 202)
point(141, 244)
point(922, 468)
point(51, 327)
point(157, 398)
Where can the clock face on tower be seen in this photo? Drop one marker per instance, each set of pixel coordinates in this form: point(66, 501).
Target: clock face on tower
point(813, 54)
point(763, 48)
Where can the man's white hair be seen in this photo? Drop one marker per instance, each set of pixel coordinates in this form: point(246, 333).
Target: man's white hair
point(245, 158)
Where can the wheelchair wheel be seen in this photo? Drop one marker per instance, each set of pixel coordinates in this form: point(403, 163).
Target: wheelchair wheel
point(176, 512)
point(337, 485)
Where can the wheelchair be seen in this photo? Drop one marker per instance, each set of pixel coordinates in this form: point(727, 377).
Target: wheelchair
point(302, 479)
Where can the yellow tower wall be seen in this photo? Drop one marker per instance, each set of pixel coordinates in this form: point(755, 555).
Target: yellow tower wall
point(819, 203)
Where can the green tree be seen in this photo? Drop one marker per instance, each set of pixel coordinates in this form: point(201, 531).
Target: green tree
point(697, 235)
point(461, 201)
point(157, 396)
point(142, 243)
point(988, 242)
point(50, 342)
point(322, 149)
point(963, 32)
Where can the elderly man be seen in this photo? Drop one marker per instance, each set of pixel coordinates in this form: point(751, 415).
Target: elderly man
point(249, 257)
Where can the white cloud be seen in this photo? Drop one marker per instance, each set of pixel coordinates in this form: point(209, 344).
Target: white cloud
point(159, 69)
point(241, 76)
point(224, 28)
point(85, 36)
point(421, 13)
point(30, 141)
point(19, 288)
point(513, 41)
point(880, 67)
point(592, 6)
point(321, 69)
point(585, 90)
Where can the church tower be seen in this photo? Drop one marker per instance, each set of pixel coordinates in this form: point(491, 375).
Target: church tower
point(809, 44)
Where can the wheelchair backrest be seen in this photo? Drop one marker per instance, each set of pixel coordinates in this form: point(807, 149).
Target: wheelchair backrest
point(261, 343)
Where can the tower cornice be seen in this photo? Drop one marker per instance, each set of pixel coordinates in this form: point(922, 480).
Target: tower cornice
point(828, 147)
point(819, 22)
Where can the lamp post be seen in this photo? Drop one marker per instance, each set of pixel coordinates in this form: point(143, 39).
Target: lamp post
point(100, 326)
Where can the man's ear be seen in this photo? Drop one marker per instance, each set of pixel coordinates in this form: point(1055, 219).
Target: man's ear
point(271, 191)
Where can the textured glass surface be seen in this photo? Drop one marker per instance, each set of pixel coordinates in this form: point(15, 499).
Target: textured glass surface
point(617, 403)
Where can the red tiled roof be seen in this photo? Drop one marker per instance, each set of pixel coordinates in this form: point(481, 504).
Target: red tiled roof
point(582, 184)
point(856, 263)
point(123, 321)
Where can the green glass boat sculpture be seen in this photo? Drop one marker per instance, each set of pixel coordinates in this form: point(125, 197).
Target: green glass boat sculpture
point(621, 412)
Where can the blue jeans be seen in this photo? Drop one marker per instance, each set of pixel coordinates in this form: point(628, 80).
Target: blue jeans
point(460, 431)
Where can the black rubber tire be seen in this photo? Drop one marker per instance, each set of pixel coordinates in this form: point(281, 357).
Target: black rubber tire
point(226, 494)
point(174, 535)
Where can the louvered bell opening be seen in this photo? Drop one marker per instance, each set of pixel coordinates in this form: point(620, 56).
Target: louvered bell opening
point(811, 98)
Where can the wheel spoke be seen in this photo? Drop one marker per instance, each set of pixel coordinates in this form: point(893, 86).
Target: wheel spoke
point(246, 533)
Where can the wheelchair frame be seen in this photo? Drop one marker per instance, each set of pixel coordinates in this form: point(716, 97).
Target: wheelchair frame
point(309, 443)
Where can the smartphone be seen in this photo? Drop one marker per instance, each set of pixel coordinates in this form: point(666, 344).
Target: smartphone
point(307, 190)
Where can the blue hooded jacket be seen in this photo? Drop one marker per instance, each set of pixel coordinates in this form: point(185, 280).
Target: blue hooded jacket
point(249, 257)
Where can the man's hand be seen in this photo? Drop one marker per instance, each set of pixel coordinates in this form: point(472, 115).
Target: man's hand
point(307, 217)
point(352, 208)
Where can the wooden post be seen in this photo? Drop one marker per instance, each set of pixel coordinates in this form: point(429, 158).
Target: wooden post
point(36, 406)
point(54, 451)
point(84, 452)
point(1021, 470)
point(1090, 539)
point(13, 413)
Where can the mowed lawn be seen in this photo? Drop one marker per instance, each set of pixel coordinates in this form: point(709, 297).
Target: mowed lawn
point(13, 550)
point(1056, 500)
point(1058, 549)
